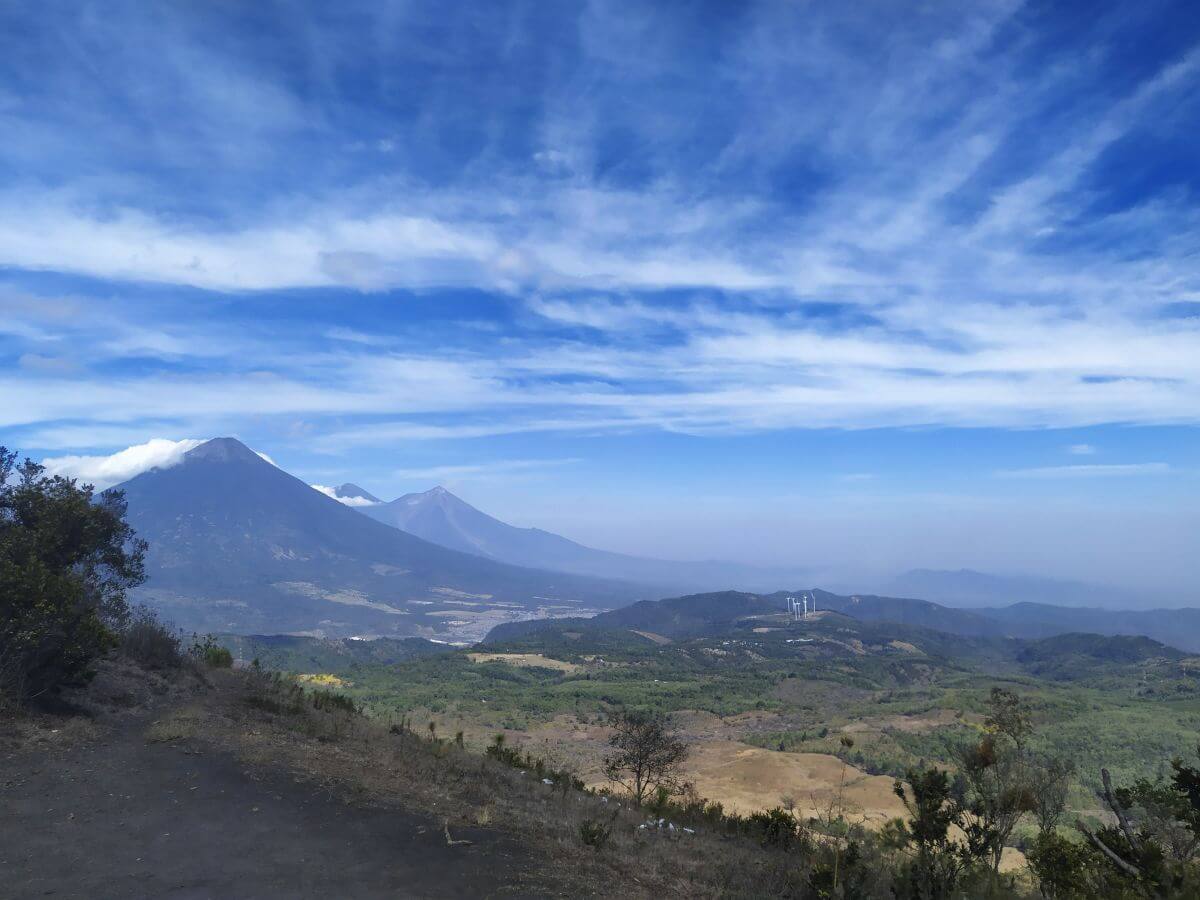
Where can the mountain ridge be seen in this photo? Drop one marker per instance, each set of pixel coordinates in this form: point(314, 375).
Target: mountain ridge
point(701, 614)
point(239, 545)
point(440, 516)
point(970, 589)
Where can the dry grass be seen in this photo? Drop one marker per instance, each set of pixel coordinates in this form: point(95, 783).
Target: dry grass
point(486, 814)
point(121, 690)
point(20, 731)
point(177, 725)
point(527, 660)
point(361, 759)
point(651, 636)
point(747, 779)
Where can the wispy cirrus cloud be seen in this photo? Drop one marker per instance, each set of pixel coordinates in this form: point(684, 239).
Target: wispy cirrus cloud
point(977, 286)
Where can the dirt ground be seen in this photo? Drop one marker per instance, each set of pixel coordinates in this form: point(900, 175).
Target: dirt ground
point(129, 808)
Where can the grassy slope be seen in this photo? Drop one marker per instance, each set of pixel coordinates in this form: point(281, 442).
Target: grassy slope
point(1129, 706)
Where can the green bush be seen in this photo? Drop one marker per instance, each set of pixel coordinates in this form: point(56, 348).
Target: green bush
point(67, 559)
point(208, 651)
point(333, 701)
point(776, 827)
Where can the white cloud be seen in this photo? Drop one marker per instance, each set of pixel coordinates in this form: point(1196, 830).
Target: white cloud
point(369, 253)
point(1088, 471)
point(331, 493)
point(964, 318)
point(1081, 450)
point(105, 471)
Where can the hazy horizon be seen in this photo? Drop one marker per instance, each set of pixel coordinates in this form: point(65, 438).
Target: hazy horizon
point(858, 289)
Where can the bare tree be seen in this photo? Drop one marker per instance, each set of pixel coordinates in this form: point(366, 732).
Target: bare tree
point(647, 754)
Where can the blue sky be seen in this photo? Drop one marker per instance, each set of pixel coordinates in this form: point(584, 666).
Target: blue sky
point(856, 284)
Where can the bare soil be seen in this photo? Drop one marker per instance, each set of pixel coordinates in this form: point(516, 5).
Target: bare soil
point(133, 805)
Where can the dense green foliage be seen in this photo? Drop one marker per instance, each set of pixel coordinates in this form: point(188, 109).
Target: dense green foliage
point(211, 653)
point(907, 708)
point(67, 559)
point(1000, 740)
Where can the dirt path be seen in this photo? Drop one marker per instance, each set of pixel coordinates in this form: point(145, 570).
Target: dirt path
point(123, 817)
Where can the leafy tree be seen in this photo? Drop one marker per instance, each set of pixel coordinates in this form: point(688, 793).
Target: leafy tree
point(67, 559)
point(1150, 852)
point(940, 861)
point(1168, 809)
point(1060, 866)
point(1009, 715)
point(647, 754)
point(998, 775)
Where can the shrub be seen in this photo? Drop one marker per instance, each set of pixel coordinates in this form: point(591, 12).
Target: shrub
point(149, 642)
point(508, 755)
point(208, 651)
point(332, 701)
point(67, 559)
point(776, 827)
point(594, 834)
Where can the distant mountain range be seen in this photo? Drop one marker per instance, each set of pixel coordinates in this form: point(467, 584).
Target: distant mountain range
point(439, 516)
point(239, 545)
point(969, 589)
point(717, 629)
point(1176, 627)
point(711, 613)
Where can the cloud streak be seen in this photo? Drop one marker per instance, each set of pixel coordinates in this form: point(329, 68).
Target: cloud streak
point(105, 471)
point(332, 494)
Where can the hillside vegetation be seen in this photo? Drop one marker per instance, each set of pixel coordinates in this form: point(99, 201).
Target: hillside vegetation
point(909, 696)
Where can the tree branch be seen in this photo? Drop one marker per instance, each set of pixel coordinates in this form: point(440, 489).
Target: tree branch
point(1134, 844)
point(1125, 867)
